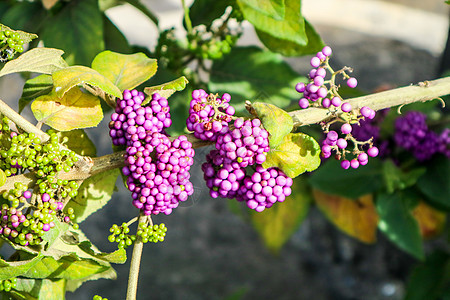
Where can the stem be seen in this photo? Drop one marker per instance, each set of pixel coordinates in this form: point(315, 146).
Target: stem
point(187, 19)
point(135, 264)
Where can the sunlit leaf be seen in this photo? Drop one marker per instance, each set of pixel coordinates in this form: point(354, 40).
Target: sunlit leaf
point(38, 60)
point(431, 221)
point(93, 194)
point(2, 177)
point(276, 225)
point(51, 236)
point(166, 89)
point(67, 78)
point(297, 153)
point(41, 288)
point(78, 141)
point(356, 217)
point(18, 268)
point(275, 120)
point(35, 87)
point(117, 257)
point(126, 71)
point(76, 109)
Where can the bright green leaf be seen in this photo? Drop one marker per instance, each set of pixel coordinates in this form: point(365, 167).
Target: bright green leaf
point(17, 268)
point(35, 87)
point(126, 71)
point(332, 179)
point(51, 236)
point(297, 153)
point(38, 60)
point(76, 109)
point(117, 257)
point(249, 73)
point(93, 194)
point(73, 284)
point(289, 48)
point(276, 225)
point(166, 89)
point(78, 141)
point(275, 120)
point(67, 78)
point(397, 179)
point(268, 16)
point(24, 36)
point(41, 288)
point(431, 279)
point(2, 177)
point(77, 29)
point(398, 224)
point(435, 183)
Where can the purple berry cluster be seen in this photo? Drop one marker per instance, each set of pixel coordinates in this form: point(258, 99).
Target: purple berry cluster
point(413, 134)
point(157, 168)
point(209, 115)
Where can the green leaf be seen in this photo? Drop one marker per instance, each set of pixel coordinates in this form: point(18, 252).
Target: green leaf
point(77, 29)
point(67, 78)
point(93, 194)
point(289, 48)
point(38, 60)
point(268, 16)
point(17, 268)
point(206, 11)
point(114, 39)
point(297, 153)
point(51, 236)
point(41, 288)
point(117, 257)
point(75, 110)
point(2, 177)
point(396, 179)
point(435, 183)
point(431, 279)
point(24, 36)
point(166, 89)
point(275, 120)
point(352, 183)
point(276, 225)
point(35, 87)
point(78, 141)
point(126, 71)
point(24, 15)
point(249, 73)
point(397, 222)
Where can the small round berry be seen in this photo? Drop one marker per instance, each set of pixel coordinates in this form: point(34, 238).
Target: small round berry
point(346, 107)
point(336, 101)
point(346, 128)
point(315, 62)
point(354, 163)
point(341, 143)
point(352, 82)
point(365, 111)
point(303, 103)
point(373, 152)
point(326, 102)
point(345, 164)
point(327, 51)
point(362, 157)
point(300, 87)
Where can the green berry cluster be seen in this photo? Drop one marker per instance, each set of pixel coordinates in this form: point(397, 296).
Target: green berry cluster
point(212, 47)
point(8, 284)
point(10, 43)
point(147, 233)
point(30, 210)
point(97, 297)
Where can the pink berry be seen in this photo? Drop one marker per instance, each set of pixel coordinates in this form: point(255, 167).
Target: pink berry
point(372, 114)
point(300, 87)
point(365, 111)
point(362, 157)
point(326, 102)
point(318, 80)
point(312, 73)
point(354, 163)
point(336, 101)
point(322, 92)
point(373, 152)
point(345, 164)
point(315, 62)
point(321, 72)
point(346, 128)
point(346, 107)
point(341, 143)
point(320, 55)
point(303, 103)
point(326, 51)
point(352, 82)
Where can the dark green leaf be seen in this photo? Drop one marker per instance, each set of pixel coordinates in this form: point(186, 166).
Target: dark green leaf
point(17, 268)
point(275, 120)
point(126, 71)
point(397, 222)
point(206, 11)
point(397, 179)
point(289, 48)
point(249, 73)
point(38, 60)
point(352, 183)
point(35, 87)
point(93, 194)
point(276, 225)
point(435, 183)
point(431, 279)
point(166, 89)
point(296, 154)
point(268, 16)
point(77, 29)
point(67, 78)
point(114, 39)
point(78, 141)
point(24, 15)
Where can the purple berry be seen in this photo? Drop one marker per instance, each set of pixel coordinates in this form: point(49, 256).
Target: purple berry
point(352, 82)
point(346, 107)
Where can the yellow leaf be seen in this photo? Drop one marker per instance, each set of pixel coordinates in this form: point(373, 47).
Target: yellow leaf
point(431, 221)
point(356, 217)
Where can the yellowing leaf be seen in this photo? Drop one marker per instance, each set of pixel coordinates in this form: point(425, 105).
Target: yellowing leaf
point(166, 89)
point(2, 178)
point(276, 225)
point(126, 71)
point(67, 78)
point(75, 110)
point(431, 221)
point(297, 153)
point(357, 218)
